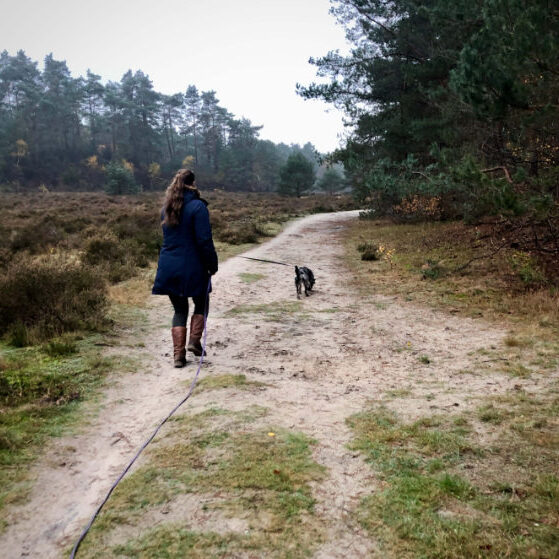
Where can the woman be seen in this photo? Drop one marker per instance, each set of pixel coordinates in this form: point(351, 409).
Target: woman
point(186, 262)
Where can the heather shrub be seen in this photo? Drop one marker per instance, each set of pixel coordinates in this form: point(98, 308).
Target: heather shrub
point(369, 251)
point(103, 247)
point(140, 233)
point(5, 256)
point(42, 298)
point(114, 259)
point(238, 233)
point(37, 236)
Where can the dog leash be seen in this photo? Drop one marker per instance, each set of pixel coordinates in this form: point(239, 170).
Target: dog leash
point(268, 261)
point(152, 436)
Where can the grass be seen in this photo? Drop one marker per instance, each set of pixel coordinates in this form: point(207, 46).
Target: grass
point(41, 391)
point(489, 288)
point(490, 414)
point(218, 382)
point(241, 467)
point(176, 541)
point(420, 270)
point(483, 483)
point(251, 278)
point(135, 291)
point(273, 311)
point(446, 491)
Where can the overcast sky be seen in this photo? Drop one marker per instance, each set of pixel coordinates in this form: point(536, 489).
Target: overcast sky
point(251, 52)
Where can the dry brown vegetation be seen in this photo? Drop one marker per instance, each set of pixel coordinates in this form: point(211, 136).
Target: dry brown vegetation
point(454, 266)
point(108, 239)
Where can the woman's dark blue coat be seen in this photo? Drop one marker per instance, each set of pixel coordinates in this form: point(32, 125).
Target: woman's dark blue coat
point(188, 257)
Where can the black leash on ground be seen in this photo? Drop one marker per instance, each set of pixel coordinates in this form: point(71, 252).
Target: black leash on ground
point(152, 436)
point(268, 261)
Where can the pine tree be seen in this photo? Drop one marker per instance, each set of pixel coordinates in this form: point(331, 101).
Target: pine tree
point(331, 181)
point(296, 176)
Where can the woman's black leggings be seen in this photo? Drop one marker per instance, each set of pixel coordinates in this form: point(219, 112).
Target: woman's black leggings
point(180, 304)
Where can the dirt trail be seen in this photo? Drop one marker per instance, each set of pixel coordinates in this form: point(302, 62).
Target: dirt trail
point(322, 363)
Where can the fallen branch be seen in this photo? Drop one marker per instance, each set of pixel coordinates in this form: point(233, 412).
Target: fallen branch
point(421, 174)
point(482, 257)
point(501, 168)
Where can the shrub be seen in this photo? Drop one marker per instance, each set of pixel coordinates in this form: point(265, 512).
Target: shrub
point(35, 236)
point(120, 180)
point(115, 271)
point(43, 298)
point(419, 208)
point(103, 247)
point(431, 270)
point(61, 347)
point(140, 231)
point(239, 233)
point(369, 251)
point(115, 260)
point(527, 269)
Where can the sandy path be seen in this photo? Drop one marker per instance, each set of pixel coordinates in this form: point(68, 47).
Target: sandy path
point(322, 365)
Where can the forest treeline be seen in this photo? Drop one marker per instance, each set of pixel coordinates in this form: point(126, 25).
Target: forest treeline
point(454, 107)
point(72, 133)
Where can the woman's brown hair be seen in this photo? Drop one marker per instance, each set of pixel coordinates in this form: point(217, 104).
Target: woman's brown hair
point(182, 181)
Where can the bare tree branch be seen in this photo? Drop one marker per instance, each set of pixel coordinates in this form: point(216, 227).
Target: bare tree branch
point(422, 174)
point(500, 168)
point(482, 257)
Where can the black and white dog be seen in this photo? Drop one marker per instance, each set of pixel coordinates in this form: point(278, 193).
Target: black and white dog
point(303, 278)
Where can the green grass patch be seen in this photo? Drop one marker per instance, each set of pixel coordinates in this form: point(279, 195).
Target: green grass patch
point(518, 370)
point(512, 341)
point(174, 541)
point(445, 494)
point(40, 392)
point(272, 311)
point(217, 382)
point(251, 278)
point(331, 310)
point(262, 474)
point(490, 414)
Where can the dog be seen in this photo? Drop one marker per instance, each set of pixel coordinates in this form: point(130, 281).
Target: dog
point(304, 278)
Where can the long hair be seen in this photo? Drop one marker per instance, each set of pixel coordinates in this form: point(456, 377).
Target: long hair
point(174, 196)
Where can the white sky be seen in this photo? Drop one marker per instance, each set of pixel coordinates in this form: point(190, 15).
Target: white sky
point(251, 52)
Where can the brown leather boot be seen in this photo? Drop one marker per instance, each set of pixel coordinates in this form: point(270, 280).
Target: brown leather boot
point(196, 331)
point(179, 340)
